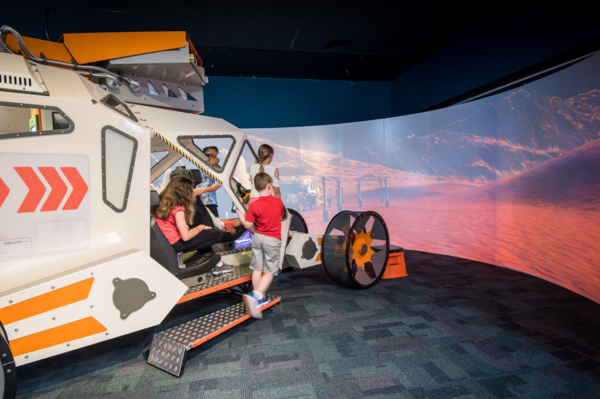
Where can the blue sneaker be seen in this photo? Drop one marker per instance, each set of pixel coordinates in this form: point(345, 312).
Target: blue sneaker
point(252, 306)
point(264, 301)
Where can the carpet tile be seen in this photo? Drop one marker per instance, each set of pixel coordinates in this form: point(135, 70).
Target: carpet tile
point(453, 328)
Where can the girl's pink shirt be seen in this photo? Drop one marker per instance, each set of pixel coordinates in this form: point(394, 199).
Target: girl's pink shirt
point(168, 227)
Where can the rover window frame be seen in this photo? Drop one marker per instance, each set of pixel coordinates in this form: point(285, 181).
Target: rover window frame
point(196, 151)
point(233, 189)
point(42, 132)
point(130, 172)
point(104, 101)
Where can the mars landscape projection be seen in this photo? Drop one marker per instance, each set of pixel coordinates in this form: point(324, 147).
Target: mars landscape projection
point(512, 180)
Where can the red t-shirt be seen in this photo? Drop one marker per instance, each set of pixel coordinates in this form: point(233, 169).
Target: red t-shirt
point(169, 227)
point(266, 213)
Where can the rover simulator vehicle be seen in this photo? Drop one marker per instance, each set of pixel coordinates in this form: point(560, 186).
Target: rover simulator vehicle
point(86, 125)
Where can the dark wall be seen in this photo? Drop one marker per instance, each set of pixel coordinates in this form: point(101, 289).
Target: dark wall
point(262, 102)
point(504, 45)
point(501, 46)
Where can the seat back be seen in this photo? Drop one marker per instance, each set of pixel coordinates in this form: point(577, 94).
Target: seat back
point(162, 251)
point(160, 248)
point(201, 215)
point(154, 200)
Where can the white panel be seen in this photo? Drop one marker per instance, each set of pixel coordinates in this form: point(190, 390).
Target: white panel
point(61, 235)
point(15, 246)
point(293, 251)
point(99, 304)
point(37, 219)
point(19, 75)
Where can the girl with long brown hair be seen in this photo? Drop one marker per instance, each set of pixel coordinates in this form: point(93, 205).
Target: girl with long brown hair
point(265, 157)
point(176, 212)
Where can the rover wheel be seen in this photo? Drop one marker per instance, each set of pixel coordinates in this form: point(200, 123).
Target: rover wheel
point(8, 374)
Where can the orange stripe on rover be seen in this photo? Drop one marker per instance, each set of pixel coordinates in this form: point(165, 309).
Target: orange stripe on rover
point(56, 336)
point(46, 302)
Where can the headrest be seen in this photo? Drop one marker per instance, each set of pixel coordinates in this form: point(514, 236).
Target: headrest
point(154, 200)
point(194, 174)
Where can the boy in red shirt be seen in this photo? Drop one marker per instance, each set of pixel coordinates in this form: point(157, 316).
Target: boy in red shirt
point(264, 216)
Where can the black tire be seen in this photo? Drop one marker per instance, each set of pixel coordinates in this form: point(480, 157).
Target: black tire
point(355, 248)
point(8, 376)
point(298, 223)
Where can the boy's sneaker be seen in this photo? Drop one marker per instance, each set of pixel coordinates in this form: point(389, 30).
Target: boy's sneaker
point(264, 301)
point(252, 305)
point(222, 269)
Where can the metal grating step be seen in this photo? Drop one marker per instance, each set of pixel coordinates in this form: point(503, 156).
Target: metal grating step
point(169, 348)
point(209, 283)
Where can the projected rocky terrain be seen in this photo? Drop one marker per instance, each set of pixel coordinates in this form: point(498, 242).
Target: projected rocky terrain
point(491, 141)
point(520, 188)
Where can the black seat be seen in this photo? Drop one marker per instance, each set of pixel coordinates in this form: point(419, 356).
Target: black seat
point(162, 252)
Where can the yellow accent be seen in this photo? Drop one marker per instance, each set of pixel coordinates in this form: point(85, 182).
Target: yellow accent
point(55, 336)
point(52, 51)
point(193, 161)
point(46, 302)
point(94, 47)
point(362, 238)
point(320, 241)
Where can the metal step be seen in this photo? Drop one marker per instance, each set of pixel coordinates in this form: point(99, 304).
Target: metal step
point(209, 283)
point(169, 348)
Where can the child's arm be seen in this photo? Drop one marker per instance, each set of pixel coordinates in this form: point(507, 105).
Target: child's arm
point(276, 190)
point(199, 191)
point(247, 225)
point(186, 233)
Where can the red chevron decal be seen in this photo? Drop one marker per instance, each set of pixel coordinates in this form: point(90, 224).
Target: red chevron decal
point(36, 189)
point(59, 189)
point(79, 188)
point(3, 192)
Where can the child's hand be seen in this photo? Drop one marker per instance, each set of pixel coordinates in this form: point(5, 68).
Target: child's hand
point(215, 186)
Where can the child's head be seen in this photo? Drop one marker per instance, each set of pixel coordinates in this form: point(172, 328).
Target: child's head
point(179, 192)
point(262, 183)
point(264, 152)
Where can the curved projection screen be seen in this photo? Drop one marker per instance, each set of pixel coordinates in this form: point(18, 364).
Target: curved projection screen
point(512, 180)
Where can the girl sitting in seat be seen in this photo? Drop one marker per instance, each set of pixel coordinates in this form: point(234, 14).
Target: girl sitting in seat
point(176, 210)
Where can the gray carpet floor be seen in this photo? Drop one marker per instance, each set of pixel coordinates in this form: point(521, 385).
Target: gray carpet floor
point(453, 328)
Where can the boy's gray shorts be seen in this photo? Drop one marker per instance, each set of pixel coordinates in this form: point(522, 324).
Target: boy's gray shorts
point(265, 254)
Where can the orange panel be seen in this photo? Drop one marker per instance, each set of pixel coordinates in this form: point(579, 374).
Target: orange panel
point(93, 47)
point(396, 266)
point(319, 258)
point(56, 336)
point(52, 51)
point(46, 302)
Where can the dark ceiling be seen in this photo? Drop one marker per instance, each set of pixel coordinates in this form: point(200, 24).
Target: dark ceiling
point(310, 39)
